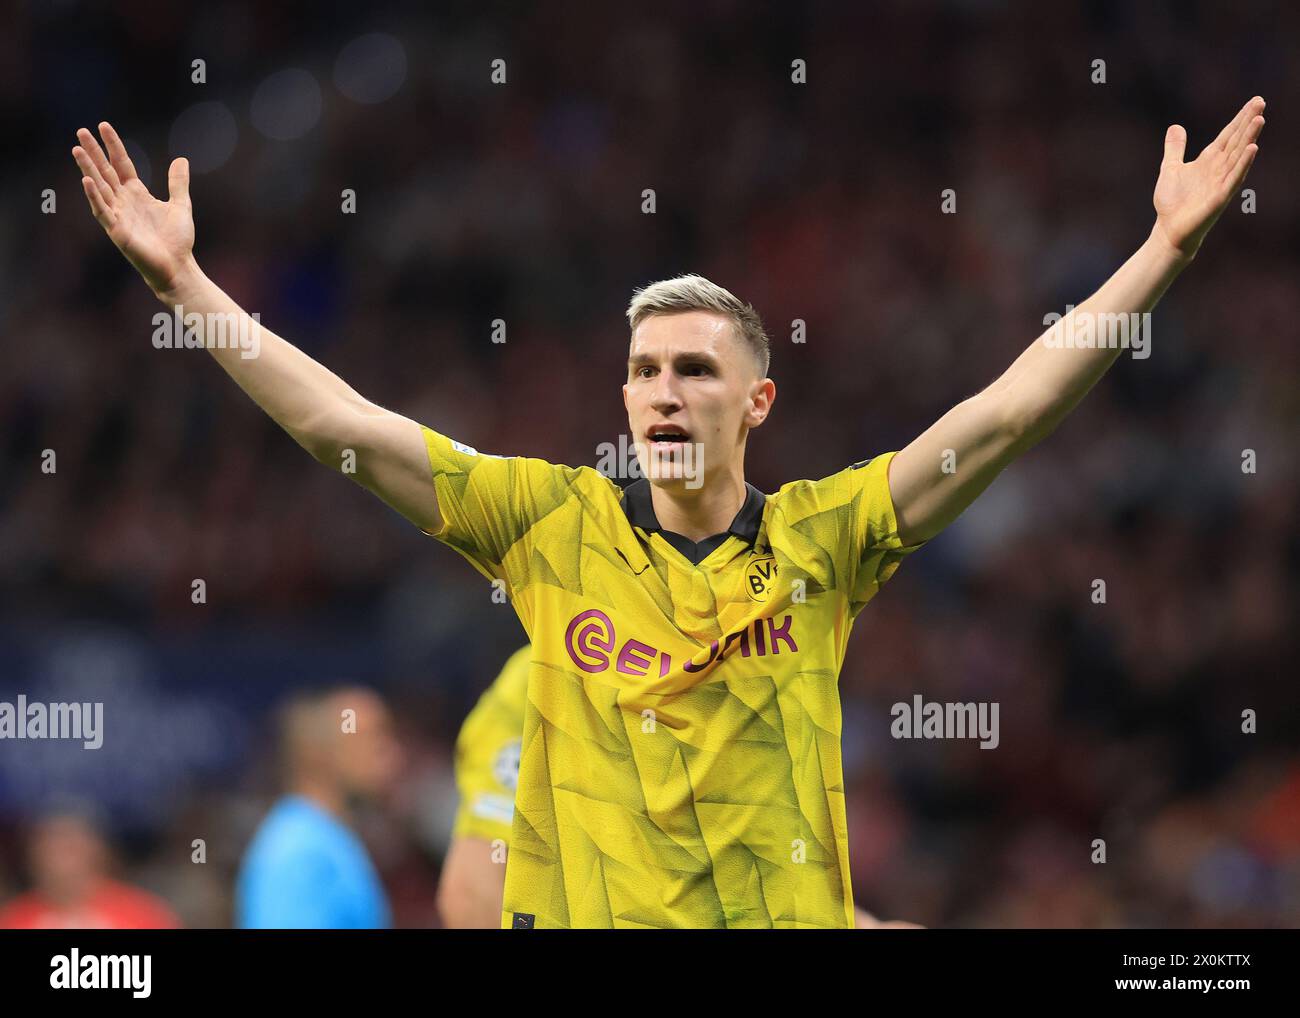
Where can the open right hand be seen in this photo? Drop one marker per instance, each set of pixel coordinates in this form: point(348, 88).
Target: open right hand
point(157, 237)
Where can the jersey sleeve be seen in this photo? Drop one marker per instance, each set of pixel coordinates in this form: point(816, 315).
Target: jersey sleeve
point(855, 518)
point(487, 754)
point(876, 551)
point(489, 504)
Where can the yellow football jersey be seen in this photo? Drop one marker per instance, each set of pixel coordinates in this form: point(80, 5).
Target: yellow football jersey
point(680, 761)
point(487, 754)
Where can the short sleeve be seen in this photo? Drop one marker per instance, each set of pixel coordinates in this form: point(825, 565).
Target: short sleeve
point(487, 802)
point(489, 503)
point(874, 549)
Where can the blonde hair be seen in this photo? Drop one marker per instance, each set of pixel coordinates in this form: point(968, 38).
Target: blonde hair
point(695, 293)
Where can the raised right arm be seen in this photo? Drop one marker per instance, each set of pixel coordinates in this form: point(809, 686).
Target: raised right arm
point(320, 411)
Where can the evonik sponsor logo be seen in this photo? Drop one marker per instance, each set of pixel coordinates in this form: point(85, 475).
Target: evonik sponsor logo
point(590, 640)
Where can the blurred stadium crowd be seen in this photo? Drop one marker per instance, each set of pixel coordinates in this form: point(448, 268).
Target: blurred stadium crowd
point(523, 202)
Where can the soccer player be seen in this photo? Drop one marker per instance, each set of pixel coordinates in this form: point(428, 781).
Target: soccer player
point(305, 867)
point(487, 774)
point(680, 759)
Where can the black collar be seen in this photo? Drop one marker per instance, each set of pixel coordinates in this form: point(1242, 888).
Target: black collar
point(640, 512)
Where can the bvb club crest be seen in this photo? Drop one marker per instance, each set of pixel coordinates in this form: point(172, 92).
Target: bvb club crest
point(760, 579)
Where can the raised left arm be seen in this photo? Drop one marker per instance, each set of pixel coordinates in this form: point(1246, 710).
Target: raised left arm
point(941, 472)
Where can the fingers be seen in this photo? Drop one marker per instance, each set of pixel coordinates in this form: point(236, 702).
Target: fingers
point(117, 153)
point(1222, 140)
point(101, 210)
point(106, 171)
point(1248, 133)
point(89, 168)
point(1241, 167)
point(1175, 143)
point(1245, 120)
point(1241, 148)
point(178, 180)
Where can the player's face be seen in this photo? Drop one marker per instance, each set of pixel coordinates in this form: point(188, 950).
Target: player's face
point(693, 392)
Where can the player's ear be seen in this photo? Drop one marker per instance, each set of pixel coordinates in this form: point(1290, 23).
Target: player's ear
point(760, 402)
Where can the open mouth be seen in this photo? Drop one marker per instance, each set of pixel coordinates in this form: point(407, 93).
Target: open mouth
point(667, 433)
point(670, 453)
point(667, 436)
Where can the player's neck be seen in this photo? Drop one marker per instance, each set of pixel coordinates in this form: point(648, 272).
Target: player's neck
point(699, 513)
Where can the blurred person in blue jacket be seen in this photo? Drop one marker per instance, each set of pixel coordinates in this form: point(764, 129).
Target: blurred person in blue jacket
point(306, 867)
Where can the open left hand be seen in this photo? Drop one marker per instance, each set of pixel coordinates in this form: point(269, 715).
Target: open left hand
point(1189, 197)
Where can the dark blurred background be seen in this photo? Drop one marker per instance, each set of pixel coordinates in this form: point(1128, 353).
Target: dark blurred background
point(522, 201)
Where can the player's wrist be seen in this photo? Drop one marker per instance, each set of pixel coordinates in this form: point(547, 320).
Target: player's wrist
point(1178, 256)
point(181, 282)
